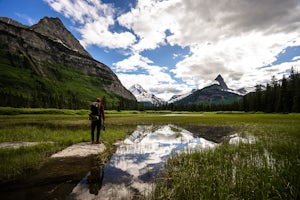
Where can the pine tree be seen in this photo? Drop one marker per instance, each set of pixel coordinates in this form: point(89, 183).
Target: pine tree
point(268, 101)
point(275, 94)
point(283, 96)
point(291, 90)
point(296, 98)
point(258, 98)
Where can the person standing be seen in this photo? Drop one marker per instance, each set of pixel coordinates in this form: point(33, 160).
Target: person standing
point(97, 115)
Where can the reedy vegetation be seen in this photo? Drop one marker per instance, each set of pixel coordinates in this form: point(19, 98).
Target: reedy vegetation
point(265, 169)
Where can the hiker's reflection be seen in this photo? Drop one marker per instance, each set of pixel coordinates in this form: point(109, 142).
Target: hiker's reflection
point(95, 179)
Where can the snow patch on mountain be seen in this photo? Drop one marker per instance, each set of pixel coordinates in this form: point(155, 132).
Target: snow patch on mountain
point(145, 96)
point(245, 90)
point(179, 97)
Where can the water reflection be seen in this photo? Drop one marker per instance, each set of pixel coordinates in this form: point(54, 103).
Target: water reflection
point(132, 169)
point(95, 179)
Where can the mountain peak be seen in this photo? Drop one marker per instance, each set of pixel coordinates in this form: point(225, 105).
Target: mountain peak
point(137, 89)
point(221, 82)
point(55, 30)
point(144, 96)
point(48, 20)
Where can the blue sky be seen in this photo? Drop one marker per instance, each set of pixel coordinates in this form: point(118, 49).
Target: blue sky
point(173, 46)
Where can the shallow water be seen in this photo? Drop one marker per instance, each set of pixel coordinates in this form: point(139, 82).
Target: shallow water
point(54, 180)
point(131, 171)
point(129, 174)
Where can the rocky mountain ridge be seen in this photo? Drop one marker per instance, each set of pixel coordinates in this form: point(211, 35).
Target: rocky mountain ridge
point(47, 60)
point(210, 93)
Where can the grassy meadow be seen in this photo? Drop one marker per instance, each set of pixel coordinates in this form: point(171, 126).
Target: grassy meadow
point(265, 169)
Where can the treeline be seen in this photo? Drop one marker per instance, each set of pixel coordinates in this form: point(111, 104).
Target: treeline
point(282, 96)
point(42, 99)
point(277, 96)
point(236, 106)
point(68, 100)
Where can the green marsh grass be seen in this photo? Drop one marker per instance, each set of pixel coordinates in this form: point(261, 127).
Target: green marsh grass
point(266, 169)
point(60, 130)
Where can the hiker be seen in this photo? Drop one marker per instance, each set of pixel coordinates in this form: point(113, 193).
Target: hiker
point(97, 115)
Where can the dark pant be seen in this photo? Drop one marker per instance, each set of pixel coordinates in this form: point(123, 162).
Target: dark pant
point(94, 125)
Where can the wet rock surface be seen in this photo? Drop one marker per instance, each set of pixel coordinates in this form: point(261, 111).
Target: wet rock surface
point(80, 150)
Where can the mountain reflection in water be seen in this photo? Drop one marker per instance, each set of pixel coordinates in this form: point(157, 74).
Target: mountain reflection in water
point(131, 170)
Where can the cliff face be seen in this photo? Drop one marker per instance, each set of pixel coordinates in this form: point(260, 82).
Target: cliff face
point(54, 29)
point(47, 53)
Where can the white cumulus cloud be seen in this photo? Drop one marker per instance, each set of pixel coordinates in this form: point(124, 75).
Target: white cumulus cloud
point(232, 38)
point(94, 19)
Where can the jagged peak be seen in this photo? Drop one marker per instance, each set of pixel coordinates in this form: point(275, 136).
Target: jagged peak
point(221, 81)
point(49, 26)
point(55, 20)
point(52, 19)
point(54, 28)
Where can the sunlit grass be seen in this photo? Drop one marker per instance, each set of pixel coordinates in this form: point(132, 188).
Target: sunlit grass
point(266, 169)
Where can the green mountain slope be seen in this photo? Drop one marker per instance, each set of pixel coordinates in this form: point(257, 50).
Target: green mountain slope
point(213, 94)
point(45, 66)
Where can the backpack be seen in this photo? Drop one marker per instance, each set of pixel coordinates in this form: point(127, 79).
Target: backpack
point(95, 111)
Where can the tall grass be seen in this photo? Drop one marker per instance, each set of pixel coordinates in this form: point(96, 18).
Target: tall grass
point(267, 169)
point(231, 172)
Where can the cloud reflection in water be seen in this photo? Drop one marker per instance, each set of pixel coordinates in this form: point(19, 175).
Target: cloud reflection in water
point(132, 169)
